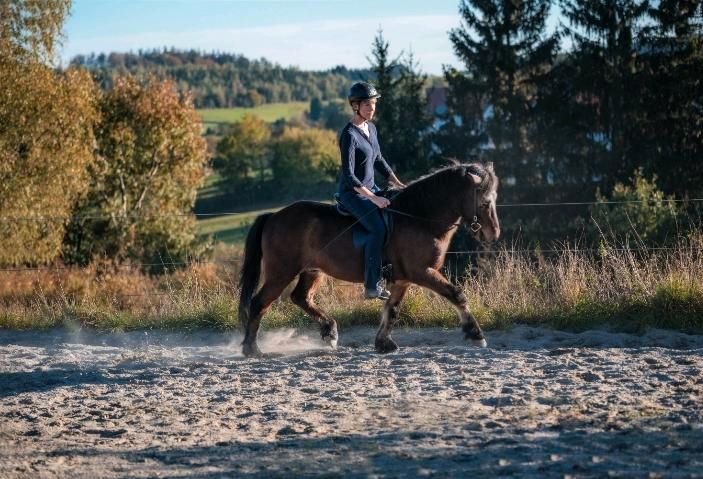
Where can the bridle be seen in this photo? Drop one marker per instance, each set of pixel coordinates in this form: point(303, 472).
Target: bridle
point(474, 226)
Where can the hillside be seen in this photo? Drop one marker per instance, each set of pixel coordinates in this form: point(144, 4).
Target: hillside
point(224, 80)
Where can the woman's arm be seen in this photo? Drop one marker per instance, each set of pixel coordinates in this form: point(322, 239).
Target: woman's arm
point(382, 165)
point(347, 149)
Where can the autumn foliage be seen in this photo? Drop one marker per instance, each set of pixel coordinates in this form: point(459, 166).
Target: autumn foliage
point(86, 174)
point(148, 164)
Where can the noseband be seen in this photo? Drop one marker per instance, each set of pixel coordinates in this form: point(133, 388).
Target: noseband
point(475, 226)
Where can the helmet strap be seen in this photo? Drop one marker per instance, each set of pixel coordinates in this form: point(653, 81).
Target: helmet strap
point(357, 111)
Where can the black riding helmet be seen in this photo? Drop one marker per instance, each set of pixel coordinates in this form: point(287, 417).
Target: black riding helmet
point(361, 91)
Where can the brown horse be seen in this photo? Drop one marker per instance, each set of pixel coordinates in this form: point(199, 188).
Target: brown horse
point(309, 239)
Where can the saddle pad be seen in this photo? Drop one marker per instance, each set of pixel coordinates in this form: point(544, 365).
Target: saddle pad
point(359, 233)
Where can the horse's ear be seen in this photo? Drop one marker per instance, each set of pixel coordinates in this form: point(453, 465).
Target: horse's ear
point(489, 167)
point(475, 178)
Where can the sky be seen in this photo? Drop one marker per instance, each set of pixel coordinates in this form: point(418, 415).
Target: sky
point(309, 34)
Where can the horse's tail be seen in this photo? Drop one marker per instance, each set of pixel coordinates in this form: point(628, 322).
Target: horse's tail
point(251, 269)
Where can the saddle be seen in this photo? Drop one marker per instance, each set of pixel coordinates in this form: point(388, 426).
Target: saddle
point(359, 234)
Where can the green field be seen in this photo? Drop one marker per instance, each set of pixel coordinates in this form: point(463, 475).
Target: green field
point(212, 186)
point(269, 112)
point(231, 229)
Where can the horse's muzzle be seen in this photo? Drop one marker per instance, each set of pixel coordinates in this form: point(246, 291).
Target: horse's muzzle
point(490, 233)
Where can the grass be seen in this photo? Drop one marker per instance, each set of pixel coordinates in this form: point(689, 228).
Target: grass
point(627, 291)
point(269, 112)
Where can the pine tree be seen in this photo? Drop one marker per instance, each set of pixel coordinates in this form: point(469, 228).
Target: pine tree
point(607, 62)
point(403, 123)
point(671, 143)
point(385, 71)
point(413, 155)
point(505, 50)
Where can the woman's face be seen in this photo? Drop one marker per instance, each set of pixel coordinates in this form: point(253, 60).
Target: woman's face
point(367, 108)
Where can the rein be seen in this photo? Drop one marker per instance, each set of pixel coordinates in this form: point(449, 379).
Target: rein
point(393, 210)
point(475, 226)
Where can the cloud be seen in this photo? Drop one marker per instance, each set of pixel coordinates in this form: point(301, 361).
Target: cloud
point(310, 45)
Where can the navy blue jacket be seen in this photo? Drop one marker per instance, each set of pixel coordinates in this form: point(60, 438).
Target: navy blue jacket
point(359, 157)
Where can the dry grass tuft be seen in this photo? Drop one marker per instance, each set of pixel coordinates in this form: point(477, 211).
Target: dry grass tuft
point(625, 290)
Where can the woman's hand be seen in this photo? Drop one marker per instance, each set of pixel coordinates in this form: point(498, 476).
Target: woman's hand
point(394, 179)
point(380, 201)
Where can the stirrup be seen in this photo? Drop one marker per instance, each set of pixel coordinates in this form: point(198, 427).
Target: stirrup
point(387, 272)
point(378, 293)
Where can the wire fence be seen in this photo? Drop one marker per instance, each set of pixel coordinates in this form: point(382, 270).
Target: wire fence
point(237, 261)
point(50, 217)
point(177, 264)
point(452, 272)
point(127, 266)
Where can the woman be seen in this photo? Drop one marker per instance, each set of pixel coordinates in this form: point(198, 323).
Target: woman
point(360, 152)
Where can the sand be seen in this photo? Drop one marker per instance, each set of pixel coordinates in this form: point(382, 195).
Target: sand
point(536, 403)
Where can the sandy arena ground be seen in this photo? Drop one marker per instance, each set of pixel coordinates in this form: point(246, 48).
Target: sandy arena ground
point(536, 403)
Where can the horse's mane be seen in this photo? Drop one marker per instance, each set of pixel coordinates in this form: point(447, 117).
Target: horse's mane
point(432, 188)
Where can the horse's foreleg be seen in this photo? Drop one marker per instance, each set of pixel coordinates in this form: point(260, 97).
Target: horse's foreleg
point(384, 343)
point(435, 281)
point(303, 295)
point(260, 303)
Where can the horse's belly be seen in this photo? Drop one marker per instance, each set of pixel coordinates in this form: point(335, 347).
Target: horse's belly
point(349, 267)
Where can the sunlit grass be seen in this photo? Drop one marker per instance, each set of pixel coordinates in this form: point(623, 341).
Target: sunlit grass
point(627, 291)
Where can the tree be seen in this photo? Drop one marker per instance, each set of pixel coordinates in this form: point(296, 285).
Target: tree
point(412, 155)
point(222, 80)
point(670, 104)
point(244, 149)
point(402, 118)
point(46, 133)
point(302, 157)
point(385, 71)
point(640, 213)
point(150, 162)
point(30, 29)
point(46, 143)
point(334, 115)
point(606, 64)
point(315, 109)
point(505, 50)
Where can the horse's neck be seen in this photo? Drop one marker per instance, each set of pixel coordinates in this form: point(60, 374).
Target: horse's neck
point(437, 218)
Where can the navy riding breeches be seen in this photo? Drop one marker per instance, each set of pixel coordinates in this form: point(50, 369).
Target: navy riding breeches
point(369, 215)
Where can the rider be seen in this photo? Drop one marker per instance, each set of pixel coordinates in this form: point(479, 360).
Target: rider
point(360, 152)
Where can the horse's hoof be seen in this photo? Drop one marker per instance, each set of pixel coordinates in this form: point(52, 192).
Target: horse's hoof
point(329, 335)
point(480, 343)
point(473, 332)
point(386, 345)
point(251, 351)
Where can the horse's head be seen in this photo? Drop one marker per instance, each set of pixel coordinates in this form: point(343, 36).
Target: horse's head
point(480, 200)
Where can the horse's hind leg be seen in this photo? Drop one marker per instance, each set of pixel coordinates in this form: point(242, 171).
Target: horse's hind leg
point(384, 343)
point(303, 295)
point(260, 303)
